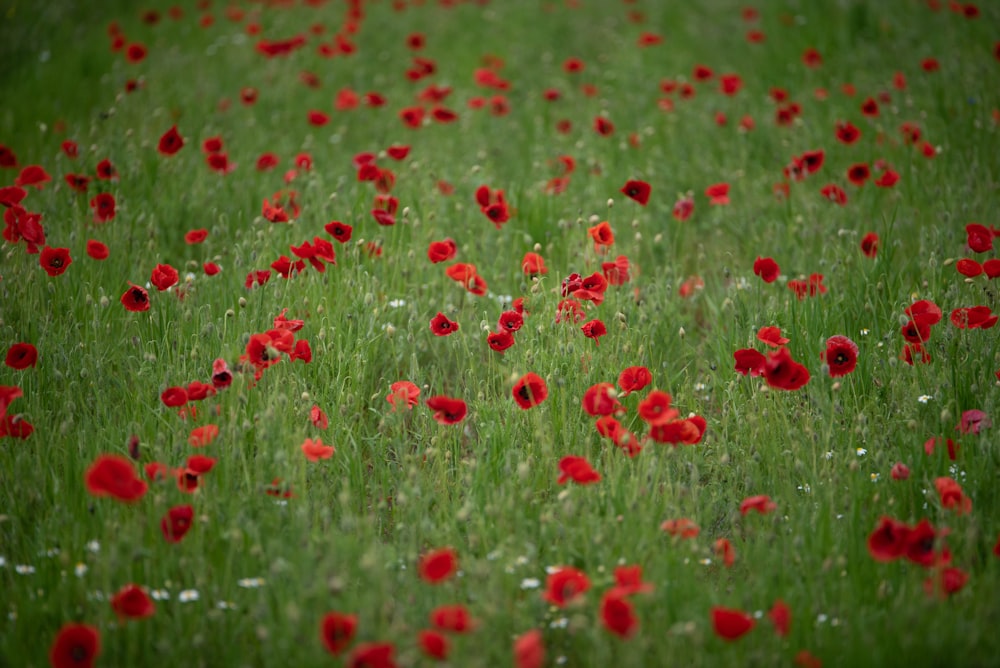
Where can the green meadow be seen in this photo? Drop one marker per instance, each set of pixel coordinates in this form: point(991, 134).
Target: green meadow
point(499, 333)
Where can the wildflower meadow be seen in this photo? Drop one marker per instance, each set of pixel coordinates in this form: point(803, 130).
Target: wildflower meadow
point(491, 333)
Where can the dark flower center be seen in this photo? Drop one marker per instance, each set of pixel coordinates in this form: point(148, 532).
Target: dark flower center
point(841, 358)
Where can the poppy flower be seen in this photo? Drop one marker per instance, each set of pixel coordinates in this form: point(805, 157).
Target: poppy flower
point(337, 630)
point(730, 624)
point(858, 174)
point(730, 84)
point(951, 495)
point(438, 565)
point(900, 471)
point(577, 469)
point(946, 581)
point(979, 238)
point(172, 397)
point(637, 190)
point(529, 650)
point(718, 194)
point(681, 528)
point(170, 142)
point(633, 379)
point(618, 615)
point(202, 436)
point(55, 261)
point(761, 503)
point(771, 336)
point(889, 178)
point(114, 476)
point(135, 299)
point(500, 340)
point(603, 126)
point(784, 373)
point(847, 132)
point(221, 376)
point(869, 244)
point(973, 317)
point(372, 655)
point(594, 329)
point(103, 205)
point(781, 616)
point(454, 618)
point(841, 355)
point(447, 410)
point(75, 646)
point(131, 602)
point(339, 231)
point(441, 251)
point(21, 355)
point(442, 326)
point(404, 394)
point(972, 421)
point(314, 450)
point(530, 390)
point(32, 175)
point(164, 276)
point(834, 193)
point(889, 540)
point(600, 399)
point(564, 585)
point(931, 444)
point(766, 268)
point(655, 408)
point(318, 417)
point(176, 523)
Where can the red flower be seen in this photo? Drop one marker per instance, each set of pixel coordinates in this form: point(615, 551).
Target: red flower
point(617, 614)
point(718, 193)
point(973, 317)
point(176, 523)
point(841, 355)
point(202, 436)
point(112, 475)
point(135, 53)
point(529, 651)
point(403, 393)
point(972, 421)
point(847, 133)
point(454, 618)
point(438, 565)
point(600, 399)
point(952, 496)
point(564, 585)
point(510, 321)
point(869, 244)
point(731, 624)
point(318, 417)
point(336, 630)
point(683, 208)
point(812, 58)
point(434, 644)
point(968, 267)
point(339, 231)
point(730, 84)
point(766, 268)
point(889, 540)
point(372, 655)
point(683, 528)
point(441, 251)
point(135, 299)
point(193, 237)
point(132, 602)
point(633, 379)
point(594, 329)
point(834, 193)
point(578, 470)
point(75, 646)
point(314, 450)
point(103, 205)
point(21, 355)
point(442, 326)
point(900, 471)
point(771, 336)
point(164, 276)
point(949, 580)
point(70, 148)
point(784, 373)
point(530, 390)
point(761, 503)
point(637, 190)
point(781, 616)
point(603, 126)
point(97, 250)
point(655, 408)
point(500, 340)
point(858, 174)
point(170, 142)
point(32, 175)
point(533, 264)
point(55, 261)
point(173, 397)
point(979, 238)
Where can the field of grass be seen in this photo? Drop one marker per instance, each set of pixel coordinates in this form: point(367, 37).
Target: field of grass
point(230, 440)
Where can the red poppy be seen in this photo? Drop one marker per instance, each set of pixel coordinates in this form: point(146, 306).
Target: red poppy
point(600, 399)
point(781, 616)
point(594, 329)
point(193, 237)
point(603, 126)
point(973, 317)
point(54, 261)
point(75, 646)
point(946, 581)
point(403, 393)
point(447, 410)
point(529, 650)
point(683, 208)
point(682, 528)
point(78, 182)
point(337, 630)
point(434, 644)
point(637, 190)
point(618, 615)
point(900, 471)
point(500, 340)
point(633, 379)
point(438, 565)
point(766, 268)
point(106, 171)
point(372, 655)
point(70, 148)
point(920, 544)
point(979, 238)
point(951, 495)
point(103, 205)
point(889, 540)
point(717, 193)
point(339, 231)
point(564, 585)
point(578, 470)
point(869, 244)
point(442, 326)
point(858, 174)
point(730, 84)
point(834, 193)
point(176, 523)
point(730, 624)
point(314, 450)
point(163, 277)
point(132, 602)
point(931, 444)
point(655, 408)
point(628, 581)
point(841, 355)
point(888, 179)
point(530, 390)
point(172, 397)
point(441, 251)
point(454, 618)
point(32, 175)
point(21, 355)
point(783, 373)
point(761, 503)
point(771, 336)
point(112, 475)
point(972, 421)
point(170, 142)
point(847, 132)
point(135, 299)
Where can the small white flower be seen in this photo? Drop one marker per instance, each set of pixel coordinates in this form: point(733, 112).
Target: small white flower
point(829, 454)
point(561, 660)
point(52, 552)
point(874, 477)
point(188, 595)
point(699, 387)
point(924, 398)
point(24, 569)
point(530, 583)
point(821, 618)
point(3, 562)
point(225, 605)
point(805, 488)
point(521, 561)
point(93, 546)
point(396, 303)
point(160, 595)
point(705, 562)
point(80, 569)
point(250, 583)
point(560, 623)
point(864, 331)
point(861, 452)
